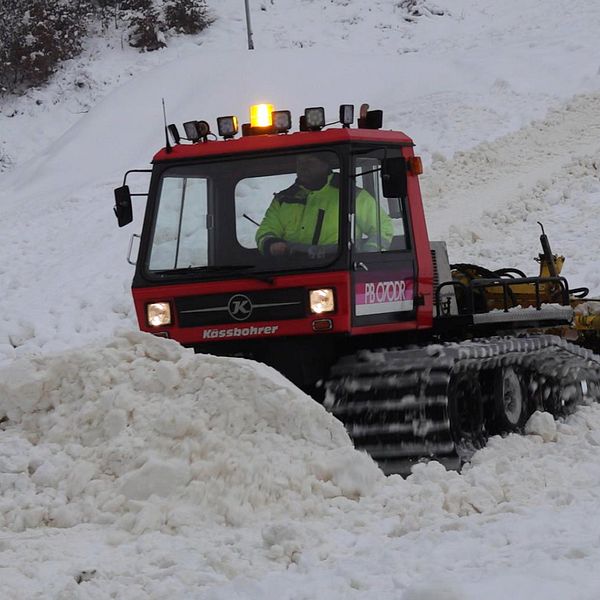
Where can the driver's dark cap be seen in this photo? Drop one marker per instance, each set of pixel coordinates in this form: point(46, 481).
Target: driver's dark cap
point(318, 160)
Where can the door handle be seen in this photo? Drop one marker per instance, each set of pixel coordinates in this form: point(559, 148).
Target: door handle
point(131, 241)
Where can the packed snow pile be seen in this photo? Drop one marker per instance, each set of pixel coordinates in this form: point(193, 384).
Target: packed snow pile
point(156, 472)
point(145, 434)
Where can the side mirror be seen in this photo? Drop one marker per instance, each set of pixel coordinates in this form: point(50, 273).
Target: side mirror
point(122, 207)
point(393, 178)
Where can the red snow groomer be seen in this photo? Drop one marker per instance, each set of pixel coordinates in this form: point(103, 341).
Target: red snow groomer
point(309, 251)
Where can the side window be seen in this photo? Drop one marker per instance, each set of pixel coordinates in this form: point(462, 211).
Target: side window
point(380, 223)
point(180, 232)
point(253, 197)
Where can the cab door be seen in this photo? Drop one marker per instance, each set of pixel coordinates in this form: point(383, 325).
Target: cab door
point(384, 278)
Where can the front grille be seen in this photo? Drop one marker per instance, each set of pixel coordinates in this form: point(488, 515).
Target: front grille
point(242, 307)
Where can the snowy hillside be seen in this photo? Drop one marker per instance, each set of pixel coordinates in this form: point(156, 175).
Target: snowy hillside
point(130, 468)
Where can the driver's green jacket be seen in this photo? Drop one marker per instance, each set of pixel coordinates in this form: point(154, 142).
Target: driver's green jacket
point(293, 217)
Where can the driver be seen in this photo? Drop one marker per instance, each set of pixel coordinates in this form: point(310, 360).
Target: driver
point(308, 212)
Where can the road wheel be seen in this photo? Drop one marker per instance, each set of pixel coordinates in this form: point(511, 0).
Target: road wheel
point(511, 408)
point(465, 408)
point(563, 397)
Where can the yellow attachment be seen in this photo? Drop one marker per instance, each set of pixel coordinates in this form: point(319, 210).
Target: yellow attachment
point(587, 315)
point(544, 270)
point(589, 323)
point(260, 115)
point(519, 294)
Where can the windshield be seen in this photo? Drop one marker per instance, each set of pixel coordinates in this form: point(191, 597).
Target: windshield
point(261, 214)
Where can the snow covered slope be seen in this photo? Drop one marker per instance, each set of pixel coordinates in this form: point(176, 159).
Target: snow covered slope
point(130, 468)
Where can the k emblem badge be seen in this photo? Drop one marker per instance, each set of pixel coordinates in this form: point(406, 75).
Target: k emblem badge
point(239, 307)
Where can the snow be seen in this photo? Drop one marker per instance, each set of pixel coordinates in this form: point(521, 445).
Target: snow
point(131, 468)
point(109, 432)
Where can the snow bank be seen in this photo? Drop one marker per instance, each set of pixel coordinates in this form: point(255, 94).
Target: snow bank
point(143, 434)
point(147, 435)
point(124, 444)
point(546, 172)
point(523, 503)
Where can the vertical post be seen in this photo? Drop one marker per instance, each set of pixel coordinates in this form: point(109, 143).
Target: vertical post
point(249, 26)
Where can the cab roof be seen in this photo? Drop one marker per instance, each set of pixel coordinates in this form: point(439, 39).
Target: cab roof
point(257, 143)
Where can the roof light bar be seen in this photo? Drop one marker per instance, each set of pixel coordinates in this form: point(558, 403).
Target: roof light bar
point(264, 121)
point(227, 126)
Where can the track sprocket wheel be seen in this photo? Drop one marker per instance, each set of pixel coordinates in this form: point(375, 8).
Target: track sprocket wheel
point(510, 400)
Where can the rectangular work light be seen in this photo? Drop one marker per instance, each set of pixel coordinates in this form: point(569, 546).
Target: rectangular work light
point(196, 130)
point(346, 114)
point(282, 120)
point(227, 126)
point(174, 133)
point(314, 118)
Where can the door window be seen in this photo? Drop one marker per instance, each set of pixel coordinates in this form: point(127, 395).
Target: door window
point(379, 223)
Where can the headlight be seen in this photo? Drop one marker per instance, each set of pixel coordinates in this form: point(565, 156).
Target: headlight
point(321, 301)
point(158, 314)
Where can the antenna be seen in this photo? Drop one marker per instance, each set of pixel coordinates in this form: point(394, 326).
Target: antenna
point(168, 144)
point(249, 26)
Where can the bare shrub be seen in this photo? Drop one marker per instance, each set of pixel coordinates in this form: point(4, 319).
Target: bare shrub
point(37, 35)
point(186, 16)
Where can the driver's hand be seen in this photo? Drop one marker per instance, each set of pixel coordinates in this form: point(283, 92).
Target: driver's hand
point(278, 249)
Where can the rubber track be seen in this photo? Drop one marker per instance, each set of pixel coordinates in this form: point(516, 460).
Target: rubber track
point(395, 403)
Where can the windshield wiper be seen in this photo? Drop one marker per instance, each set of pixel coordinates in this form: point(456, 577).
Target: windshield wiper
point(200, 269)
point(209, 268)
point(217, 269)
